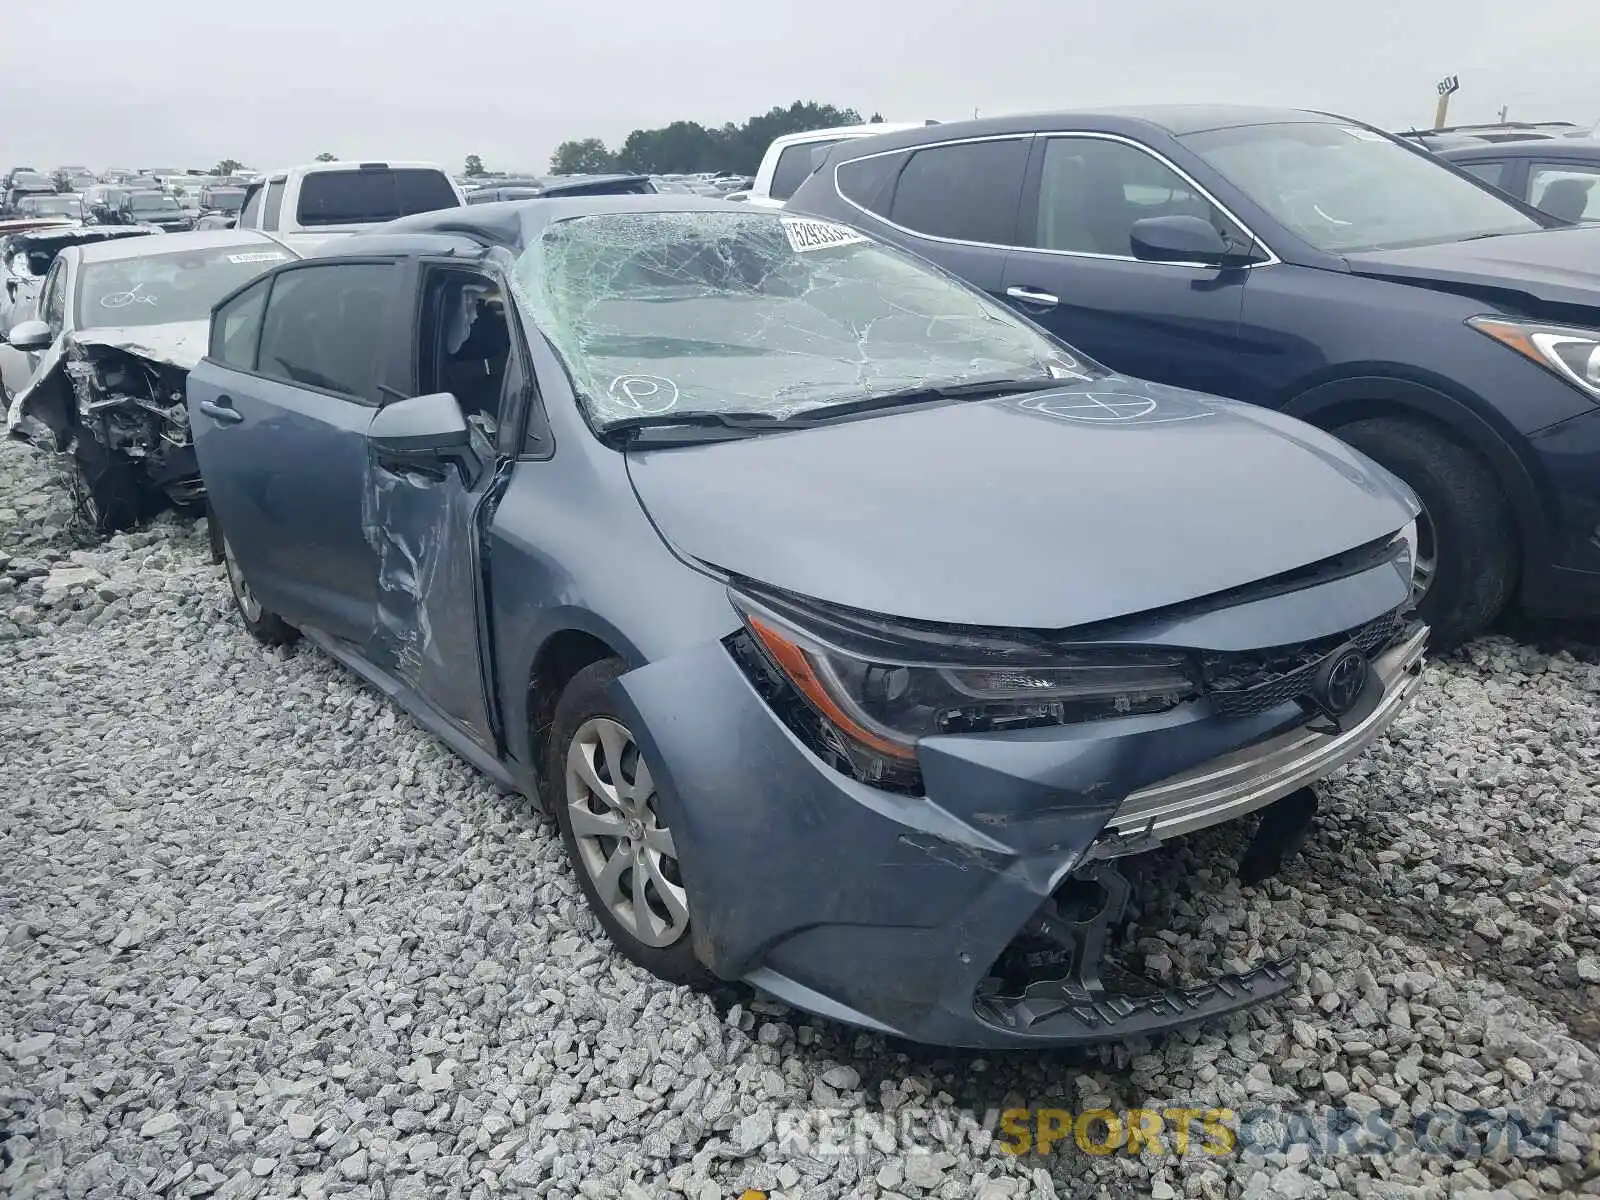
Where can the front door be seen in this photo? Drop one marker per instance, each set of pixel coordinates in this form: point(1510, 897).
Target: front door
point(432, 631)
point(280, 409)
point(1074, 270)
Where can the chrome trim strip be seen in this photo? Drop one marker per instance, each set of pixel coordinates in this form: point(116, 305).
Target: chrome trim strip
point(1272, 258)
point(1254, 777)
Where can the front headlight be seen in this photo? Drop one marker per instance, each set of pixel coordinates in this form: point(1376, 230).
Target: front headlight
point(1573, 354)
point(874, 707)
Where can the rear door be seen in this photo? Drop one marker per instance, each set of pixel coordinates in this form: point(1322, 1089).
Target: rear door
point(280, 408)
point(431, 631)
point(1075, 273)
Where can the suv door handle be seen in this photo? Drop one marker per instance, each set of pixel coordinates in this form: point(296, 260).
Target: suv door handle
point(221, 410)
point(1030, 295)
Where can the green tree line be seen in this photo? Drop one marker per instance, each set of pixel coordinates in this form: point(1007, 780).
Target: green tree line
point(688, 146)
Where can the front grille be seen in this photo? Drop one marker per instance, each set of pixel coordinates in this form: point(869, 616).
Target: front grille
point(1242, 684)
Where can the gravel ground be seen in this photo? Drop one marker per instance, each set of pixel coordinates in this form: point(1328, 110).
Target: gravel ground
point(259, 935)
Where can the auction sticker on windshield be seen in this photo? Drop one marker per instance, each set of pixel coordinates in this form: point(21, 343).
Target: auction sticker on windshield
point(806, 235)
point(260, 256)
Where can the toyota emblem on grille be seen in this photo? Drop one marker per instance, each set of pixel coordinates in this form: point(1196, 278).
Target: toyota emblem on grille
point(1339, 682)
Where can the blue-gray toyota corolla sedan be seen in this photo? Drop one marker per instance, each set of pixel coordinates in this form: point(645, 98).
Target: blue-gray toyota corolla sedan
point(856, 632)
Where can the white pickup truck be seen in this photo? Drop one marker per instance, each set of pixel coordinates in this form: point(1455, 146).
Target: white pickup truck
point(792, 157)
point(305, 205)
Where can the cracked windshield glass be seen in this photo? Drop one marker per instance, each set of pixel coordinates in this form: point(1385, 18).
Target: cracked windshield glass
point(668, 313)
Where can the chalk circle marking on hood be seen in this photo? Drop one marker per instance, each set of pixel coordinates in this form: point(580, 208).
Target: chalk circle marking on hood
point(1114, 407)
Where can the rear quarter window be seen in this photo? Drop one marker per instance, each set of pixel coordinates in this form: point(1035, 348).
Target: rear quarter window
point(1492, 173)
point(794, 164)
point(869, 182)
point(369, 196)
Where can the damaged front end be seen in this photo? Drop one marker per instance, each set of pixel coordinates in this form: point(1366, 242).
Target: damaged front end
point(985, 895)
point(117, 407)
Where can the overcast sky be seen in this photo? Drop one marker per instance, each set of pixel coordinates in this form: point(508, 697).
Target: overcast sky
point(117, 84)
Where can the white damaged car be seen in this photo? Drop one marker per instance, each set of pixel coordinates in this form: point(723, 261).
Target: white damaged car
point(119, 325)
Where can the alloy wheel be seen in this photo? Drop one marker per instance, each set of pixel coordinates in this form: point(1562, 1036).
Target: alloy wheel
point(626, 851)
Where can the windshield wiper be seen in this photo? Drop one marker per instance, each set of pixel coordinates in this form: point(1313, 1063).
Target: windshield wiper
point(979, 389)
point(686, 427)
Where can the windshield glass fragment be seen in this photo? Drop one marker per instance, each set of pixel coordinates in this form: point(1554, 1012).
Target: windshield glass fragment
point(1347, 188)
point(659, 314)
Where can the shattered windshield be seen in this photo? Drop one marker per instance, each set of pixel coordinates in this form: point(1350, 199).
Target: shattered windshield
point(1344, 188)
point(154, 289)
point(663, 313)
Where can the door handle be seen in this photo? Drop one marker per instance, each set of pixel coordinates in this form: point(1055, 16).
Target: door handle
point(1033, 296)
point(221, 409)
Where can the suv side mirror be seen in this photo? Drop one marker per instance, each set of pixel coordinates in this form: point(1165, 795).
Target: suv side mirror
point(1182, 239)
point(31, 336)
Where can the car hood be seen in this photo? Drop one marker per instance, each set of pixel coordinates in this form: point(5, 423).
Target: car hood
point(178, 343)
point(1043, 511)
point(1551, 266)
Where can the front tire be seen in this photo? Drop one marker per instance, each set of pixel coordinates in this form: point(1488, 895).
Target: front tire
point(1466, 533)
point(620, 848)
point(265, 626)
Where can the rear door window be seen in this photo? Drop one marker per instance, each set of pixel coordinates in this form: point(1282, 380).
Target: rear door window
point(968, 191)
point(368, 196)
point(324, 325)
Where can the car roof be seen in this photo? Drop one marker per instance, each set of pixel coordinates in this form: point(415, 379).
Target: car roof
point(1578, 149)
point(842, 131)
point(353, 164)
point(1174, 120)
point(515, 224)
point(173, 243)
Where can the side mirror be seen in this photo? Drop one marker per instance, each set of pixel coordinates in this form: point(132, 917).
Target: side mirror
point(1182, 239)
point(419, 427)
point(30, 336)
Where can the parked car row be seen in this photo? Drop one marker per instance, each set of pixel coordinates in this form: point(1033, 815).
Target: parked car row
point(899, 523)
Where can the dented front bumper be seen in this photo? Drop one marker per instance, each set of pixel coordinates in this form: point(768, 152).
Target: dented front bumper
point(892, 911)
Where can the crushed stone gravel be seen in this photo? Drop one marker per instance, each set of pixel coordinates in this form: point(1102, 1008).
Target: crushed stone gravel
point(261, 936)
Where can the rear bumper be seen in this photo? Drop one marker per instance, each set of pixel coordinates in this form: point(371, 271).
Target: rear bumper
point(891, 912)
